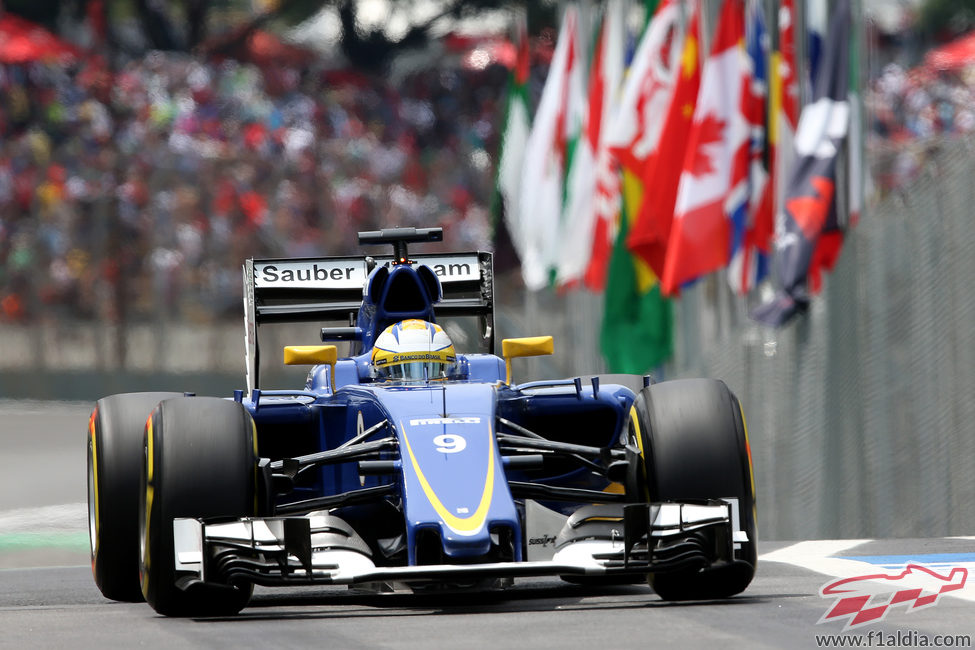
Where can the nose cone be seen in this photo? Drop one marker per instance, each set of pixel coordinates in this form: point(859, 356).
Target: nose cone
point(454, 482)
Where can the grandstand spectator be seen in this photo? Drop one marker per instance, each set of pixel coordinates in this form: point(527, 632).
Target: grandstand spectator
point(910, 111)
point(138, 195)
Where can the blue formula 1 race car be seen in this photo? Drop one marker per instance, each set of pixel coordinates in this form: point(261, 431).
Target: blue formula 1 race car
point(410, 465)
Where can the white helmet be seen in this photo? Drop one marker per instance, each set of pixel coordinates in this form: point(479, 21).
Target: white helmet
point(413, 350)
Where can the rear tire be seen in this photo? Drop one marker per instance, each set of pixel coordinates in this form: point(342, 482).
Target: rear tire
point(695, 446)
point(115, 432)
point(201, 462)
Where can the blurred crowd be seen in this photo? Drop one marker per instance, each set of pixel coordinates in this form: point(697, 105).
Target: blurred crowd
point(911, 111)
point(137, 193)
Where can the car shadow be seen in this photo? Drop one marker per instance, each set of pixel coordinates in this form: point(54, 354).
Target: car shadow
point(308, 603)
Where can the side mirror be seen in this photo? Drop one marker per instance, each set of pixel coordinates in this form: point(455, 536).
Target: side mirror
point(312, 355)
point(531, 346)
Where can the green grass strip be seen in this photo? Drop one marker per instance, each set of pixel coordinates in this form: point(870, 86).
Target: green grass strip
point(75, 540)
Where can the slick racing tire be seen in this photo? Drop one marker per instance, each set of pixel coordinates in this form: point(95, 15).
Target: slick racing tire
point(201, 461)
point(115, 431)
point(695, 446)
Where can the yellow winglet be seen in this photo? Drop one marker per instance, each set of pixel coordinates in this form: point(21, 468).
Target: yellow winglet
point(312, 355)
point(530, 346)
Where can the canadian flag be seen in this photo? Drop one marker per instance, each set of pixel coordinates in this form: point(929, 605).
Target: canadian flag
point(717, 152)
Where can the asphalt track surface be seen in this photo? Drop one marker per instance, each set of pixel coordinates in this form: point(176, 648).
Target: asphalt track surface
point(48, 598)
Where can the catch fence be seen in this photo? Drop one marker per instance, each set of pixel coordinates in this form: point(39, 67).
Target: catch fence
point(861, 412)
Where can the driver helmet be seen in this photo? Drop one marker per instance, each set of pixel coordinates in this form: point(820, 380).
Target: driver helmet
point(413, 350)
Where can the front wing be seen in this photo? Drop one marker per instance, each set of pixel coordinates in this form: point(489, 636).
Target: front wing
point(310, 550)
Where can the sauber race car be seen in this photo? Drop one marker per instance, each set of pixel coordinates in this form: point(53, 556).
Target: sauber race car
point(410, 465)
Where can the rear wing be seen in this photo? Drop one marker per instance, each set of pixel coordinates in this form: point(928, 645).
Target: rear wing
point(330, 289)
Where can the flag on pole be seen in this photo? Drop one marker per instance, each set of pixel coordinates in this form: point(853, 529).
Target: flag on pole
point(817, 12)
point(812, 233)
point(753, 222)
point(592, 185)
point(546, 155)
point(827, 249)
point(637, 329)
point(714, 175)
point(650, 232)
point(783, 108)
point(633, 135)
point(647, 91)
point(514, 135)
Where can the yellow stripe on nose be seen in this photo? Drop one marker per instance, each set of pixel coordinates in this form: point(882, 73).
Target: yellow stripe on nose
point(460, 525)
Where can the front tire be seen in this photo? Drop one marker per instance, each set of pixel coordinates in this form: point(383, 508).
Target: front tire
point(200, 461)
point(695, 446)
point(115, 431)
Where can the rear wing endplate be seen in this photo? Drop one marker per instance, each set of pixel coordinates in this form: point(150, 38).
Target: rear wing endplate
point(330, 289)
